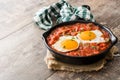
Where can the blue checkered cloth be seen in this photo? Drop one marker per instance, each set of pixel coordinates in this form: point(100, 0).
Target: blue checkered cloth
point(61, 12)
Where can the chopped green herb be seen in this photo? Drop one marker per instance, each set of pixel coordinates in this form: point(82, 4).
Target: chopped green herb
point(72, 38)
point(73, 30)
point(79, 32)
point(94, 47)
point(82, 30)
point(89, 33)
point(63, 46)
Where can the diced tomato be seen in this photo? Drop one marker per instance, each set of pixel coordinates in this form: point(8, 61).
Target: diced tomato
point(86, 49)
point(51, 42)
point(72, 54)
point(82, 53)
point(96, 52)
point(93, 44)
point(88, 54)
point(102, 44)
point(74, 33)
point(87, 28)
point(95, 28)
point(102, 48)
point(105, 34)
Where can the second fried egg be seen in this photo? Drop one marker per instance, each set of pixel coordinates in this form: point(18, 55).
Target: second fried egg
point(93, 36)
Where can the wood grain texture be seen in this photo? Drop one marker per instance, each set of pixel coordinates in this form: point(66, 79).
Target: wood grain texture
point(111, 71)
point(21, 55)
point(14, 14)
point(22, 49)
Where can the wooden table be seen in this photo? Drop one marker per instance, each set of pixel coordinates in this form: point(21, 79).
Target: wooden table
point(22, 50)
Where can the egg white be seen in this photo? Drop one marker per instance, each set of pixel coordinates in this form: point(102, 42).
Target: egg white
point(98, 38)
point(57, 45)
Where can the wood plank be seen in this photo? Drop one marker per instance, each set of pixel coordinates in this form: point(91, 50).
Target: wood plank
point(109, 72)
point(15, 14)
point(22, 51)
point(22, 55)
point(103, 10)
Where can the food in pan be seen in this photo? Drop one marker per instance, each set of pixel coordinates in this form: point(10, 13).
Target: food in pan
point(66, 43)
point(79, 39)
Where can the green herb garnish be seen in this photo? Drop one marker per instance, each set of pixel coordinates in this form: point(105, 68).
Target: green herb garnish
point(82, 30)
point(63, 46)
point(89, 33)
point(72, 38)
point(79, 32)
point(94, 47)
point(73, 30)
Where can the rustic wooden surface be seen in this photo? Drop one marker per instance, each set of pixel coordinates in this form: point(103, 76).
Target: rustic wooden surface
point(22, 50)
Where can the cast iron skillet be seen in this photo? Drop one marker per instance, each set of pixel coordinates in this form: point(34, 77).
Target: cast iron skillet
point(79, 60)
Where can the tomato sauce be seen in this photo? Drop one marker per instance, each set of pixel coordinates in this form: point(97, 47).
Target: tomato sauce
point(86, 49)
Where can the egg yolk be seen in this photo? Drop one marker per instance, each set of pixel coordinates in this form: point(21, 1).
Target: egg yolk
point(87, 35)
point(69, 44)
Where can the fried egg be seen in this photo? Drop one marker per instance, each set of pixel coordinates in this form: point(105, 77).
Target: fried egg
point(93, 36)
point(66, 43)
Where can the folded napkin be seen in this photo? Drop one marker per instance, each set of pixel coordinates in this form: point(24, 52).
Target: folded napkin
point(61, 12)
point(52, 63)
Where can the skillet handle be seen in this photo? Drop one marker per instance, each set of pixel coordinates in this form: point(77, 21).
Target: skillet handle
point(114, 39)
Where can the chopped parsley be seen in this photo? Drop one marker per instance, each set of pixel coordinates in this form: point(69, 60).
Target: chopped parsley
point(64, 46)
point(89, 39)
point(73, 38)
point(94, 47)
point(79, 32)
point(89, 33)
point(73, 30)
point(82, 30)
